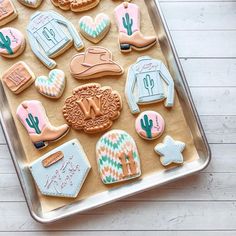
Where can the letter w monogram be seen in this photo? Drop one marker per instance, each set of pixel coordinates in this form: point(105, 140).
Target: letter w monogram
point(89, 104)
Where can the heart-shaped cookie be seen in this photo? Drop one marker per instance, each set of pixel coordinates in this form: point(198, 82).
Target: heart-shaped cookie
point(31, 3)
point(53, 85)
point(95, 30)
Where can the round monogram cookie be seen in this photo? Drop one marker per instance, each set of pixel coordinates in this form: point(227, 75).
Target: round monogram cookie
point(150, 125)
point(92, 108)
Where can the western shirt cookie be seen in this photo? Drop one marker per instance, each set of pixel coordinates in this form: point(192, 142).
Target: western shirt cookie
point(7, 12)
point(75, 5)
point(128, 22)
point(31, 3)
point(148, 76)
point(95, 30)
point(12, 42)
point(149, 125)
point(33, 117)
point(170, 151)
point(18, 77)
point(53, 85)
point(92, 108)
point(117, 157)
point(62, 171)
point(95, 62)
point(48, 38)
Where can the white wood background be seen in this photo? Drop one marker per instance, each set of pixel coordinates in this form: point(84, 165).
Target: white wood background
point(204, 33)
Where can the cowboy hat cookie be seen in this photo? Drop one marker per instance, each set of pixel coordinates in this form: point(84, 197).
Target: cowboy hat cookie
point(170, 151)
point(12, 42)
point(48, 38)
point(31, 3)
point(62, 171)
point(117, 157)
point(7, 12)
point(148, 76)
point(95, 30)
point(95, 62)
point(18, 77)
point(75, 5)
point(92, 108)
point(149, 125)
point(33, 117)
point(53, 85)
point(128, 22)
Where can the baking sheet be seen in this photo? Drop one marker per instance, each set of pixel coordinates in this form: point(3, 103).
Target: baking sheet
point(176, 125)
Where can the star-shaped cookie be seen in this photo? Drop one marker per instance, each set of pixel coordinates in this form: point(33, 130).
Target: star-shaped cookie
point(170, 151)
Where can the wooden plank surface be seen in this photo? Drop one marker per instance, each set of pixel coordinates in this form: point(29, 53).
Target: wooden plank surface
point(204, 33)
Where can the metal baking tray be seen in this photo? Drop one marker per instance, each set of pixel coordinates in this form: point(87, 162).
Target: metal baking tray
point(143, 184)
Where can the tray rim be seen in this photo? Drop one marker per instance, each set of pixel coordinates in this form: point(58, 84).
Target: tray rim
point(198, 165)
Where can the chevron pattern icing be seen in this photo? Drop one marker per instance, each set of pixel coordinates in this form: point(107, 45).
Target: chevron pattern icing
point(51, 86)
point(110, 149)
point(95, 30)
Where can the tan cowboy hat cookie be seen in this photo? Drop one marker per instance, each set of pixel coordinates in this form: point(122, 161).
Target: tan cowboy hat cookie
point(93, 63)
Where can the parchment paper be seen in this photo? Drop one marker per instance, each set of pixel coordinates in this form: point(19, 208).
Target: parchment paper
point(176, 125)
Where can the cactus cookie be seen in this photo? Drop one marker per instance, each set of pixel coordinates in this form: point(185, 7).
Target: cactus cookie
point(7, 12)
point(149, 125)
point(117, 157)
point(12, 42)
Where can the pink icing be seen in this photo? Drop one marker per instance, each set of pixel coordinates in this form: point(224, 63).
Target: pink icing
point(15, 37)
point(157, 128)
point(134, 14)
point(36, 109)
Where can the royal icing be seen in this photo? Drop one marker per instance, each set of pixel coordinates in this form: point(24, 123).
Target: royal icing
point(128, 22)
point(170, 151)
point(53, 85)
point(7, 12)
point(95, 62)
point(11, 41)
point(31, 3)
point(47, 36)
point(117, 157)
point(62, 171)
point(148, 76)
point(150, 125)
point(92, 108)
point(95, 30)
point(33, 117)
point(75, 5)
point(18, 77)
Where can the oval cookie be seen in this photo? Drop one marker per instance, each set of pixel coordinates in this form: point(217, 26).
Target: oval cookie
point(149, 125)
point(117, 157)
point(92, 108)
point(95, 30)
point(12, 42)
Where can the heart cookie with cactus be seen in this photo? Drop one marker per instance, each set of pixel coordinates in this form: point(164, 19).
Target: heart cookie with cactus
point(52, 86)
point(95, 30)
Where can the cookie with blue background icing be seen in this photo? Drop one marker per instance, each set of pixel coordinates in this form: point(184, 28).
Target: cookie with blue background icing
point(62, 171)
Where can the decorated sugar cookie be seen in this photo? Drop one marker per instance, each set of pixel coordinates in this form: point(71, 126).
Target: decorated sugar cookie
point(170, 151)
point(150, 77)
point(7, 12)
point(12, 42)
point(92, 108)
point(128, 22)
point(18, 77)
point(150, 125)
point(31, 3)
point(117, 157)
point(62, 171)
point(53, 85)
point(95, 62)
point(33, 117)
point(95, 30)
point(75, 5)
point(48, 38)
